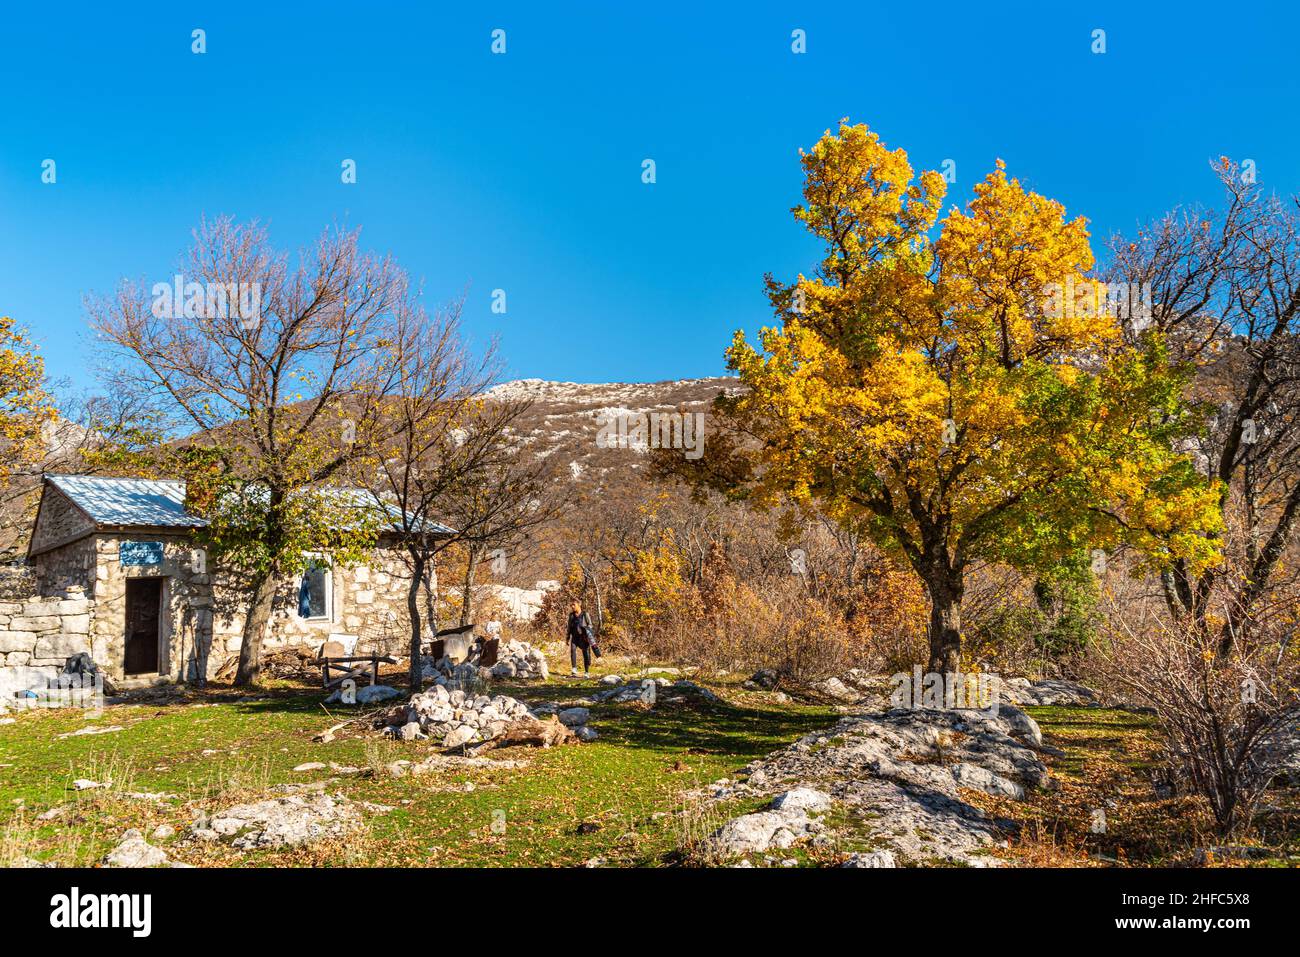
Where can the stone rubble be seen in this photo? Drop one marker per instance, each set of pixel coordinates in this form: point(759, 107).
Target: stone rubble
point(518, 659)
point(898, 775)
point(456, 717)
point(297, 817)
point(134, 851)
point(453, 717)
point(515, 659)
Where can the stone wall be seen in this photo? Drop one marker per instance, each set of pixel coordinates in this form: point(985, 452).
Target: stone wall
point(186, 624)
point(58, 520)
point(80, 605)
point(16, 582)
point(369, 610)
point(60, 568)
point(38, 634)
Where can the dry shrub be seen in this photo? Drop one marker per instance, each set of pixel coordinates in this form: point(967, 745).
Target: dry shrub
point(1217, 716)
point(727, 623)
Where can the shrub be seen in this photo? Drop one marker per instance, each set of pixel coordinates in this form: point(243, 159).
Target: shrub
point(1216, 716)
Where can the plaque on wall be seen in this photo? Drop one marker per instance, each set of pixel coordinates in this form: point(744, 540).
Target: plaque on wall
point(140, 553)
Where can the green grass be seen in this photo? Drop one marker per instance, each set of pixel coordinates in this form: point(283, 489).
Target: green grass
point(1092, 734)
point(626, 786)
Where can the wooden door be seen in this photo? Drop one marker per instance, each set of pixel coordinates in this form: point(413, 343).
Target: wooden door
point(143, 610)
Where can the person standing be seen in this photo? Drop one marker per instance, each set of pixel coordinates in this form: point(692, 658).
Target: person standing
point(579, 635)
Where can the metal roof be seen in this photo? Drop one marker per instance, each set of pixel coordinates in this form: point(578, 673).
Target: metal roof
point(364, 499)
point(127, 501)
point(160, 503)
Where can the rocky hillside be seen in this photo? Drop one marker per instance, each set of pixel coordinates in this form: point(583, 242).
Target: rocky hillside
point(565, 418)
point(563, 424)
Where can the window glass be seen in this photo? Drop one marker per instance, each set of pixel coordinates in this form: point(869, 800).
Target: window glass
point(313, 593)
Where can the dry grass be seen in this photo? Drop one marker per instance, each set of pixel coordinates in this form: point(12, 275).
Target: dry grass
point(1110, 760)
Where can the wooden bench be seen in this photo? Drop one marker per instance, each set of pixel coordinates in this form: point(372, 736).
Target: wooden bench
point(356, 667)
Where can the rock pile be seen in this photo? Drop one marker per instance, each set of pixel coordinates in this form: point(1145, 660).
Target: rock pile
point(898, 778)
point(302, 814)
point(455, 717)
point(519, 659)
point(515, 659)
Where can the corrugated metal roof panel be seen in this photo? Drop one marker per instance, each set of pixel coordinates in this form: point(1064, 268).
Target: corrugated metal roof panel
point(161, 502)
point(127, 501)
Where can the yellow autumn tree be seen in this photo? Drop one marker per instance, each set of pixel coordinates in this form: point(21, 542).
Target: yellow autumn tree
point(935, 390)
point(25, 407)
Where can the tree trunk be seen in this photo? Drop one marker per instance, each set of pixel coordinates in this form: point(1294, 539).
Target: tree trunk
point(430, 595)
point(945, 588)
point(467, 592)
point(415, 673)
point(255, 626)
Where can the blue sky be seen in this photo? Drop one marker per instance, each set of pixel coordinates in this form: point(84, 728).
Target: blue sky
point(523, 171)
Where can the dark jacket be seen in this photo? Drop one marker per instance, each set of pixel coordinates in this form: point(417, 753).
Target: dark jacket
point(579, 630)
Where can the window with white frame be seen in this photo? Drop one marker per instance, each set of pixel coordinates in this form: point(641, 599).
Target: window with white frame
point(316, 591)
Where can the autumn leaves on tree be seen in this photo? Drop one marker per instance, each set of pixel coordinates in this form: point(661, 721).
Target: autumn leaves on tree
point(921, 386)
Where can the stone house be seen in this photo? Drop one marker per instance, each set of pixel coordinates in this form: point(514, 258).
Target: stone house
point(115, 571)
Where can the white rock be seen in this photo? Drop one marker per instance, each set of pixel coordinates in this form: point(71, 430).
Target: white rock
point(458, 736)
point(135, 851)
point(90, 729)
point(284, 821)
point(871, 859)
point(370, 694)
point(573, 717)
point(808, 800)
point(761, 831)
point(375, 693)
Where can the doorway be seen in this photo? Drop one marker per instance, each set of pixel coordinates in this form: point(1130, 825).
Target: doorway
point(143, 611)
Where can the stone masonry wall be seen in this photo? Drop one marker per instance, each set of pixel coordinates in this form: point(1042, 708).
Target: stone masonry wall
point(368, 614)
point(80, 605)
point(38, 634)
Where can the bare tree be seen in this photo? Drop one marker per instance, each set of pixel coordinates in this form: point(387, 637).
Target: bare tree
point(282, 370)
point(1223, 722)
point(510, 494)
point(444, 466)
point(1225, 288)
